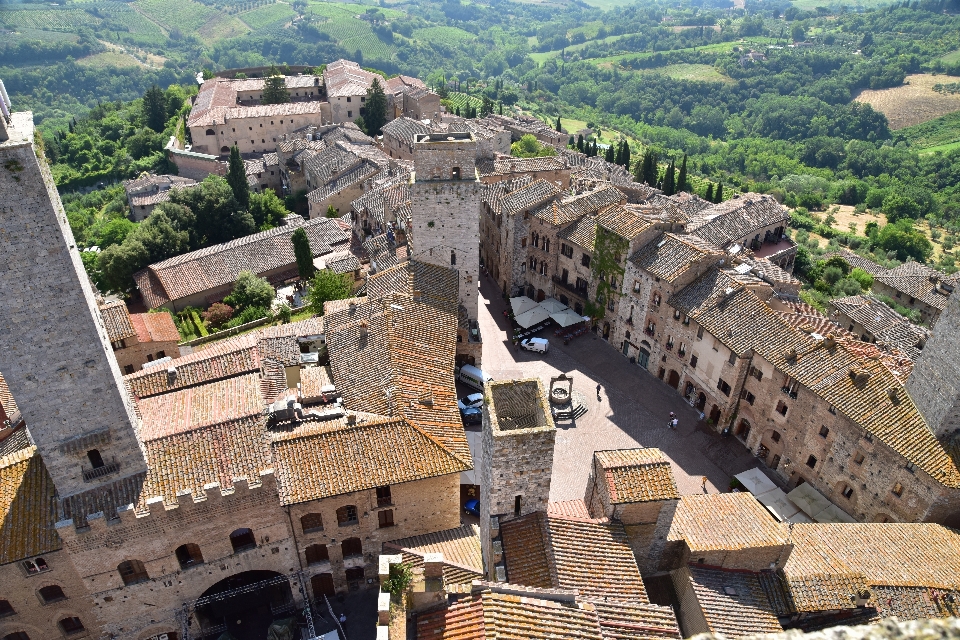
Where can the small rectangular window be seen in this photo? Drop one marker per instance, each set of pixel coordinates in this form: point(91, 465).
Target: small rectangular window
point(847, 492)
point(693, 362)
point(636, 286)
point(383, 496)
point(858, 458)
point(516, 506)
point(585, 261)
point(349, 113)
point(812, 462)
point(723, 387)
point(824, 431)
point(897, 490)
point(910, 467)
point(733, 358)
point(385, 518)
point(750, 398)
point(700, 333)
point(782, 408)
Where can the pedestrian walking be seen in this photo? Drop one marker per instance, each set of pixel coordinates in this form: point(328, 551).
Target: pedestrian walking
point(598, 391)
point(673, 424)
point(703, 483)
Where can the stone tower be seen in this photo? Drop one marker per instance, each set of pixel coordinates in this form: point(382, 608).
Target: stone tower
point(445, 197)
point(54, 350)
point(934, 384)
point(516, 459)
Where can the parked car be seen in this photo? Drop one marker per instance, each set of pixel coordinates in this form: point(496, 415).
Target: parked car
point(473, 376)
point(537, 345)
point(474, 400)
point(471, 415)
point(472, 507)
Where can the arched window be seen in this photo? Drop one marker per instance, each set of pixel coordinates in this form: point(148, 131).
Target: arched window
point(96, 460)
point(211, 132)
point(189, 555)
point(352, 547)
point(6, 609)
point(311, 522)
point(354, 573)
point(224, 149)
point(242, 540)
point(17, 635)
point(52, 593)
point(132, 572)
point(71, 626)
point(317, 553)
point(347, 515)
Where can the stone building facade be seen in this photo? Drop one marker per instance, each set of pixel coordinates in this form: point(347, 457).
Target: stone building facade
point(139, 338)
point(516, 459)
point(935, 382)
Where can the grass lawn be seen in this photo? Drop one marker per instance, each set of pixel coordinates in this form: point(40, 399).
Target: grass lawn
point(696, 72)
point(953, 146)
point(953, 56)
point(108, 59)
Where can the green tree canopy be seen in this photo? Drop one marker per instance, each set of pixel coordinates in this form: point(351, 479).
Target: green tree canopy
point(155, 108)
point(907, 242)
point(275, 88)
point(267, 209)
point(529, 147)
point(375, 112)
point(157, 238)
point(216, 216)
point(250, 292)
point(237, 178)
point(327, 285)
point(301, 249)
point(897, 206)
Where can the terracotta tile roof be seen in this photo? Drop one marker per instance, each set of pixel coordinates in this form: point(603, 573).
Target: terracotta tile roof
point(571, 510)
point(741, 321)
point(733, 602)
point(221, 115)
point(857, 261)
point(669, 256)
point(919, 281)
point(583, 233)
point(188, 460)
point(6, 399)
point(390, 355)
point(257, 84)
point(219, 265)
point(738, 218)
point(506, 166)
point(398, 82)
point(215, 94)
point(915, 603)
point(622, 221)
point(531, 195)
point(104, 498)
point(346, 78)
point(151, 183)
point(28, 504)
point(362, 171)
point(222, 359)
point(725, 521)
point(637, 475)
point(460, 547)
point(405, 129)
point(769, 272)
point(510, 617)
point(14, 442)
point(200, 406)
point(594, 558)
point(561, 212)
point(155, 327)
point(331, 458)
point(885, 324)
point(116, 320)
point(634, 621)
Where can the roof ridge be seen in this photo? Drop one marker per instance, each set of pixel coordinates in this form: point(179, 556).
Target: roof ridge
point(18, 456)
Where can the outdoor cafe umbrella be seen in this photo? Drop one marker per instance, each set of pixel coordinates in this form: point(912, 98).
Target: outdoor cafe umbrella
point(566, 318)
point(533, 316)
point(521, 304)
point(552, 305)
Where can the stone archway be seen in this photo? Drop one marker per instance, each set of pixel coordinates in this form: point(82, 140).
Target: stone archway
point(701, 401)
point(673, 379)
point(952, 520)
point(245, 604)
point(715, 414)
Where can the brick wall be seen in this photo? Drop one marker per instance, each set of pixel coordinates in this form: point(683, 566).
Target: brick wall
point(135, 355)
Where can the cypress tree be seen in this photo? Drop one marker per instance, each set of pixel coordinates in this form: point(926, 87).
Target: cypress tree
point(237, 178)
point(572, 142)
point(618, 153)
point(375, 115)
point(626, 155)
point(651, 170)
point(558, 123)
point(719, 197)
point(501, 108)
point(638, 169)
point(669, 180)
point(154, 109)
point(579, 141)
point(610, 154)
point(708, 196)
point(303, 254)
point(682, 180)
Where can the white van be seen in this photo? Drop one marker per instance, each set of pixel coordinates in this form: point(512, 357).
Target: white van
point(537, 345)
point(473, 376)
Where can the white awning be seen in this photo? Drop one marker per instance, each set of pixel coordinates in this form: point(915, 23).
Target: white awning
point(532, 317)
point(566, 318)
point(521, 304)
point(756, 481)
point(552, 305)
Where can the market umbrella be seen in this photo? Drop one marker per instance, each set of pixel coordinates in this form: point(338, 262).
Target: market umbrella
point(533, 316)
point(566, 318)
point(521, 304)
point(552, 305)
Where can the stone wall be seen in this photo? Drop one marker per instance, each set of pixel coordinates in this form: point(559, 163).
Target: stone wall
point(54, 353)
point(135, 355)
point(196, 166)
point(255, 134)
point(934, 384)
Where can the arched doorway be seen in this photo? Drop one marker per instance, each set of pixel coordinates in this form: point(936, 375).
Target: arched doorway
point(688, 390)
point(541, 295)
point(743, 429)
point(643, 358)
point(606, 330)
point(673, 379)
point(244, 605)
point(322, 585)
point(715, 414)
point(701, 401)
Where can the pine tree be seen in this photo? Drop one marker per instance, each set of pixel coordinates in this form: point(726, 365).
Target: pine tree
point(275, 88)
point(237, 178)
point(669, 180)
point(558, 123)
point(375, 115)
point(610, 154)
point(303, 254)
point(154, 108)
point(708, 196)
point(719, 197)
point(682, 180)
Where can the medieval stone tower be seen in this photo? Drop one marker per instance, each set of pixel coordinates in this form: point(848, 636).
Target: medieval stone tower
point(516, 460)
point(445, 198)
point(54, 350)
point(934, 384)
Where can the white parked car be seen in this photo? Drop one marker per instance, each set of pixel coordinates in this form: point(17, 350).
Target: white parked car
point(474, 400)
point(537, 345)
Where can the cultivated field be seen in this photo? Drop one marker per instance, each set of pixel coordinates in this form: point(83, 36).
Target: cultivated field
point(268, 15)
point(109, 59)
point(913, 102)
point(697, 72)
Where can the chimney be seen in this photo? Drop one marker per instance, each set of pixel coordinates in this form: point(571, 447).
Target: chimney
point(363, 330)
point(417, 296)
point(352, 419)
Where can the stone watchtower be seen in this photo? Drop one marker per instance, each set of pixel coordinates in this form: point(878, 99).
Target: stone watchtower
point(934, 384)
point(54, 350)
point(516, 461)
point(445, 196)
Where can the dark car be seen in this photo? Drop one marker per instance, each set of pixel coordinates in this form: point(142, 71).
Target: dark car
point(471, 415)
point(472, 507)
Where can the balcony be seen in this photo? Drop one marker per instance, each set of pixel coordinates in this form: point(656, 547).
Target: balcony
point(99, 472)
point(579, 292)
